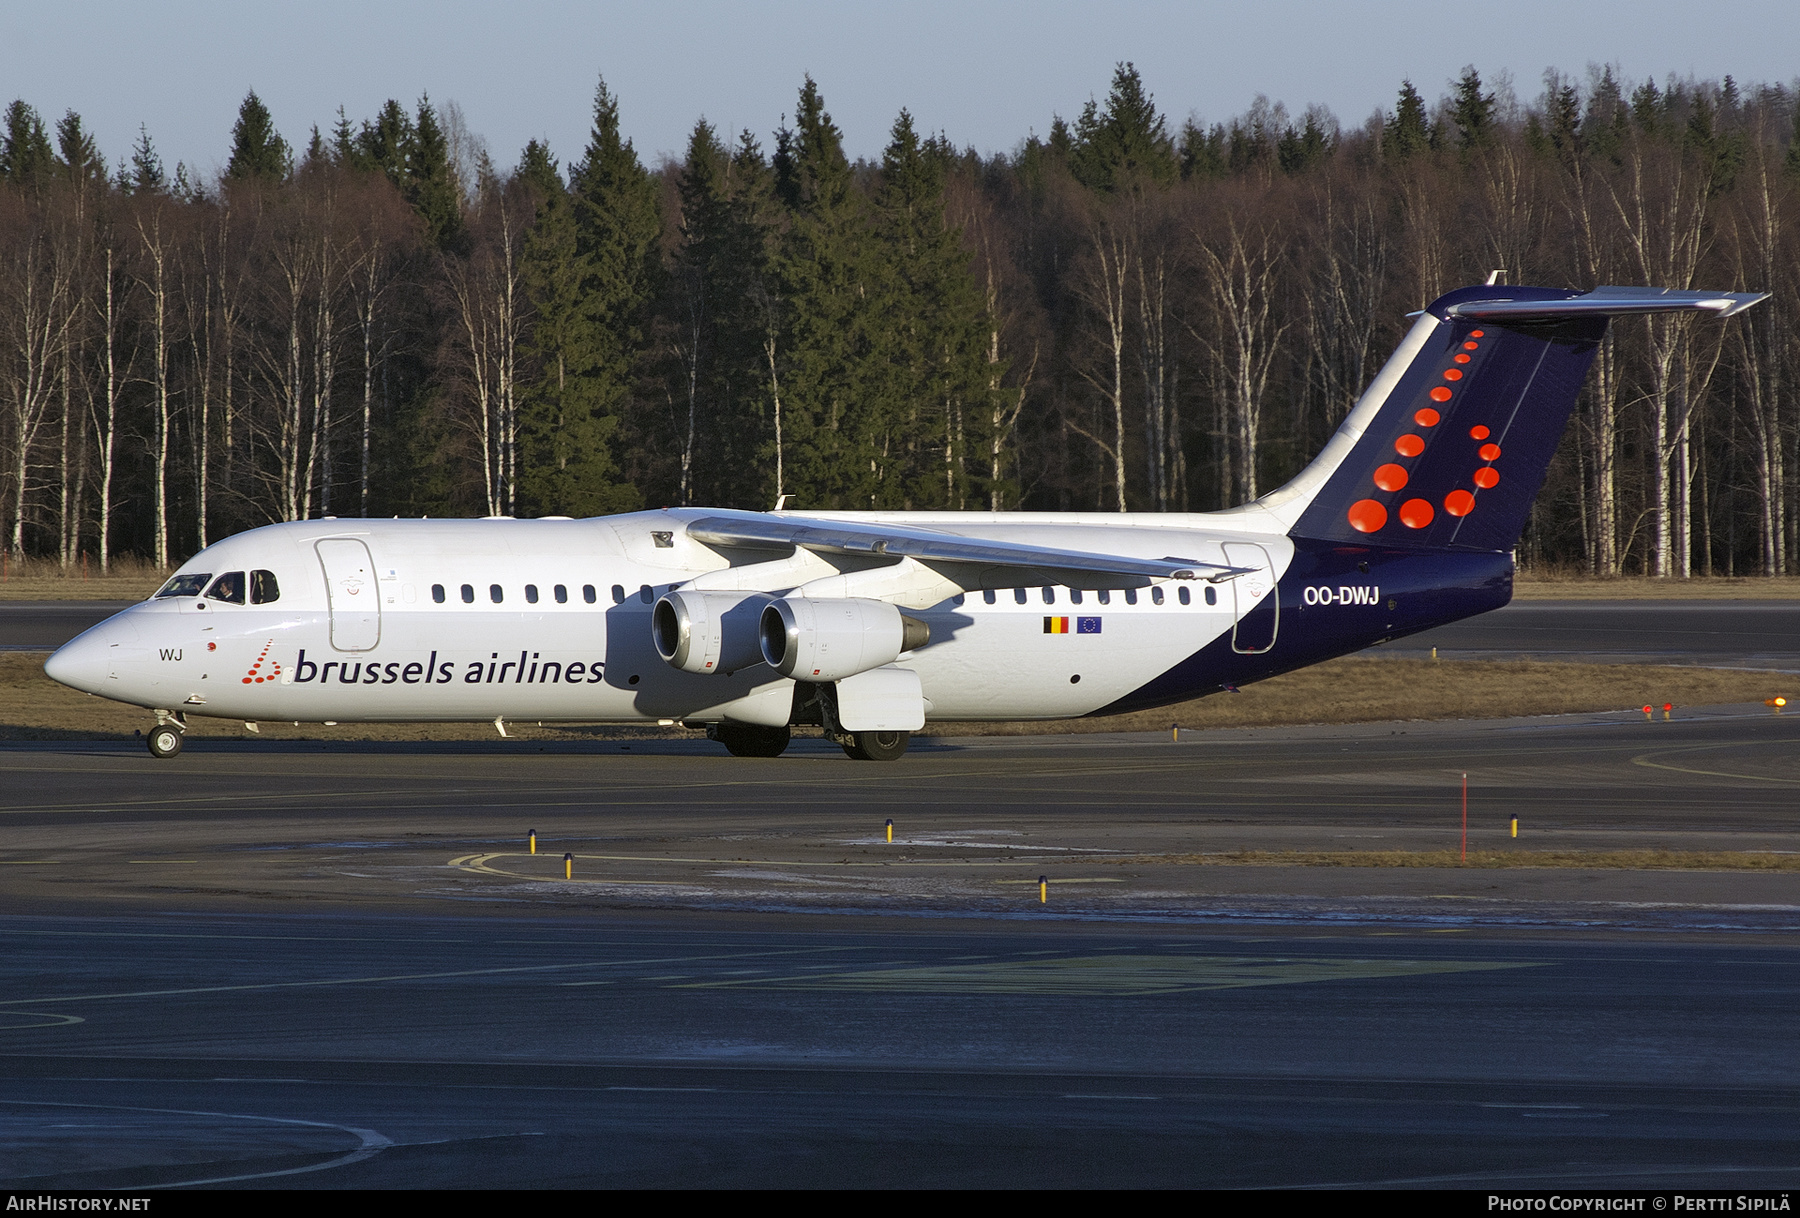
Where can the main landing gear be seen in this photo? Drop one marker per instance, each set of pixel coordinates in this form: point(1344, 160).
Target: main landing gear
point(165, 738)
point(876, 746)
point(748, 740)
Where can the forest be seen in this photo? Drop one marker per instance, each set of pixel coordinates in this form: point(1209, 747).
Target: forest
point(1127, 313)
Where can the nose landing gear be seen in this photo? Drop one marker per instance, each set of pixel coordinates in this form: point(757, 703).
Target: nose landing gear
point(164, 739)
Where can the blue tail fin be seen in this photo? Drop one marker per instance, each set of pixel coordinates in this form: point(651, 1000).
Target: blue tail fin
point(1452, 454)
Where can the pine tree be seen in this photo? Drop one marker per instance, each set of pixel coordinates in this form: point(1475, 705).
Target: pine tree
point(430, 185)
point(25, 147)
point(1299, 149)
point(80, 156)
point(1407, 131)
point(932, 327)
point(1565, 123)
point(1791, 164)
point(383, 144)
point(565, 435)
point(1126, 144)
point(825, 274)
point(1472, 111)
point(257, 151)
point(146, 175)
point(617, 225)
point(1607, 123)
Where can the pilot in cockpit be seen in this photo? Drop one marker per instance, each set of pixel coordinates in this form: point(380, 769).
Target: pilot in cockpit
point(228, 587)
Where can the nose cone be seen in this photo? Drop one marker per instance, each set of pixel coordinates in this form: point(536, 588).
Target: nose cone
point(87, 661)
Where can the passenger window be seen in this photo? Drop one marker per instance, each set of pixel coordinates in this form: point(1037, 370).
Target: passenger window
point(468, 594)
point(494, 593)
point(562, 595)
point(1156, 596)
point(1018, 596)
point(1184, 596)
point(1131, 596)
point(618, 595)
point(645, 594)
point(989, 596)
point(263, 588)
point(185, 585)
point(587, 594)
point(958, 600)
point(437, 593)
point(1105, 596)
point(229, 588)
point(1212, 595)
point(531, 594)
point(1049, 596)
point(1074, 596)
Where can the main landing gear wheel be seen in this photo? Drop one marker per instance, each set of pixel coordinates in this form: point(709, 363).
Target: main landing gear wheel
point(877, 746)
point(164, 740)
point(747, 740)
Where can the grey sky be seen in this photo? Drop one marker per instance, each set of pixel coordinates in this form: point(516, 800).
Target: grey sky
point(984, 73)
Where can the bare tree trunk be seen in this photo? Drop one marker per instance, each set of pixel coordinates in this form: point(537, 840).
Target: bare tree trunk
point(157, 252)
point(1242, 274)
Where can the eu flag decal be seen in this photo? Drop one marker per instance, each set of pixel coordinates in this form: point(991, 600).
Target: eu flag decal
point(1087, 625)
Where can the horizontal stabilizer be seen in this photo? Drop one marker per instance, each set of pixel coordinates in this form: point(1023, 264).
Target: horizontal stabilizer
point(926, 545)
point(1607, 302)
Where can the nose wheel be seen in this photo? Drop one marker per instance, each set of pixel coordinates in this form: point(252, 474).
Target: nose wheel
point(164, 740)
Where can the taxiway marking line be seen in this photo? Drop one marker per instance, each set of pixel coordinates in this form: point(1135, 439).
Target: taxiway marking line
point(372, 1143)
point(56, 999)
point(477, 863)
point(1643, 759)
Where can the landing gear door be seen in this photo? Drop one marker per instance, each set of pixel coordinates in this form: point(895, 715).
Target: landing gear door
point(352, 593)
point(1258, 606)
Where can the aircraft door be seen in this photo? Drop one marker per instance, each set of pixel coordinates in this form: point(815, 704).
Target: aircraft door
point(352, 593)
point(1258, 606)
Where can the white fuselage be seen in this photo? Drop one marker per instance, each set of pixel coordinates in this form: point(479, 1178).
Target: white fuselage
point(357, 632)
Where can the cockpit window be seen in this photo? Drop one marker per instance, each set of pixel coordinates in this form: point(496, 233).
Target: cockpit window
point(185, 585)
point(229, 588)
point(263, 588)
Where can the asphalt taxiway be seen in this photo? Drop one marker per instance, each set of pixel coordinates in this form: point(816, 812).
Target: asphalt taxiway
point(341, 965)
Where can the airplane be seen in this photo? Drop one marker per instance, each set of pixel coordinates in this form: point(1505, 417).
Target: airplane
point(870, 625)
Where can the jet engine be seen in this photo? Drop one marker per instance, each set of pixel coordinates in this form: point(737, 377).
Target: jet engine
point(708, 632)
point(828, 640)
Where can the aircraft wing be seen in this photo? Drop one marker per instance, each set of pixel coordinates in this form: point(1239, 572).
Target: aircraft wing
point(930, 546)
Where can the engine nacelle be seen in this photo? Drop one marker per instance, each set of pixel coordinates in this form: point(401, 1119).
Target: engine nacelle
point(708, 632)
point(828, 640)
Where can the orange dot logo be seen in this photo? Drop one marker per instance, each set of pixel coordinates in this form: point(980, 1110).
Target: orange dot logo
point(1478, 433)
point(1489, 452)
point(1459, 503)
point(1453, 374)
point(1366, 516)
point(1440, 394)
point(1416, 513)
point(1409, 445)
point(1462, 359)
point(1487, 478)
point(1471, 346)
point(1427, 417)
point(1477, 333)
point(1390, 477)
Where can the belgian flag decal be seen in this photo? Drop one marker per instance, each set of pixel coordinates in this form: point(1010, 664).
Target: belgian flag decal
point(1056, 625)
